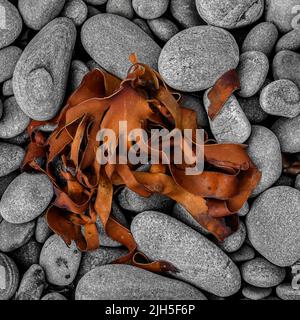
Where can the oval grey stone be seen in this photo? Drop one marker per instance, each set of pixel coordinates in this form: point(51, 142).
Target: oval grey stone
point(11, 280)
point(150, 9)
point(8, 59)
point(289, 41)
point(163, 28)
point(195, 58)
point(11, 157)
point(54, 296)
point(254, 293)
point(235, 241)
point(122, 8)
point(199, 261)
point(285, 292)
point(246, 253)
point(7, 89)
point(76, 10)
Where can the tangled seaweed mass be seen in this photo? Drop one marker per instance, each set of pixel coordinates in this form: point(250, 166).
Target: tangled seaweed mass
point(84, 189)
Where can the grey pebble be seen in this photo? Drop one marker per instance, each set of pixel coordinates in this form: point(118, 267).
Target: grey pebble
point(143, 25)
point(26, 198)
point(14, 236)
point(77, 72)
point(262, 37)
point(5, 182)
point(13, 24)
point(264, 150)
point(11, 280)
point(14, 121)
point(252, 109)
point(7, 88)
point(252, 70)
point(163, 28)
point(76, 10)
point(273, 225)
point(254, 293)
point(9, 57)
point(289, 41)
point(244, 210)
point(235, 241)
point(110, 40)
point(54, 296)
point(124, 282)
point(230, 14)
point(42, 230)
point(195, 58)
point(150, 9)
point(120, 7)
point(285, 292)
point(32, 284)
point(59, 261)
point(36, 14)
point(297, 182)
point(11, 157)
point(199, 261)
point(41, 73)
point(245, 253)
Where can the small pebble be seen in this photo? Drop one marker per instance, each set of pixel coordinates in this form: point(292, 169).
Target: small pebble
point(163, 28)
point(143, 25)
point(150, 9)
point(235, 241)
point(11, 158)
point(185, 12)
point(11, 277)
point(120, 7)
point(8, 59)
point(76, 10)
point(254, 293)
point(289, 41)
point(245, 253)
point(54, 296)
point(285, 292)
point(7, 88)
point(42, 231)
point(77, 72)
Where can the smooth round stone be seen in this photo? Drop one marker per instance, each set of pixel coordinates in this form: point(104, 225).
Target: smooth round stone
point(122, 8)
point(286, 65)
point(150, 9)
point(261, 273)
point(196, 104)
point(7, 89)
point(131, 201)
point(231, 124)
point(245, 253)
point(244, 210)
point(199, 261)
point(281, 13)
point(262, 37)
point(143, 25)
point(11, 277)
point(59, 261)
point(288, 134)
point(14, 121)
point(230, 14)
point(252, 70)
point(235, 241)
point(26, 198)
point(124, 282)
point(163, 28)
point(36, 14)
point(195, 58)
point(289, 41)
point(281, 98)
point(77, 72)
point(14, 236)
point(54, 296)
point(41, 73)
point(32, 284)
point(13, 24)
point(185, 12)
point(76, 10)
point(8, 59)
point(254, 293)
point(42, 230)
point(110, 40)
point(5, 182)
point(11, 157)
point(273, 225)
point(264, 150)
point(285, 292)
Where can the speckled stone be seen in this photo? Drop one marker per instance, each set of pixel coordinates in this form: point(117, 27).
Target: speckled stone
point(77, 72)
point(163, 28)
point(185, 12)
point(110, 40)
point(150, 9)
point(13, 26)
point(234, 242)
point(41, 73)
point(124, 282)
point(11, 157)
point(26, 198)
point(252, 70)
point(76, 10)
point(54, 296)
point(254, 293)
point(244, 210)
point(59, 261)
point(262, 37)
point(245, 253)
point(199, 261)
point(195, 58)
point(14, 236)
point(252, 109)
point(11, 277)
point(14, 121)
point(231, 124)
point(32, 284)
point(289, 41)
point(8, 59)
point(273, 225)
point(5, 182)
point(285, 292)
point(7, 89)
point(42, 231)
point(120, 7)
point(36, 14)
point(143, 25)
point(264, 150)
point(230, 14)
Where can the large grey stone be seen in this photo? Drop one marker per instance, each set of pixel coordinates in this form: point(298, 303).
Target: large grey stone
point(76, 10)
point(11, 157)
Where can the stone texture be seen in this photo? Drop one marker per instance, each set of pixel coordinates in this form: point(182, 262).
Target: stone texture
point(77, 72)
point(143, 25)
point(11, 157)
point(6, 180)
point(246, 253)
point(11, 280)
point(122, 8)
point(254, 293)
point(185, 12)
point(76, 10)
point(163, 28)
point(54, 296)
point(285, 292)
point(234, 242)
point(252, 109)
point(150, 9)
point(42, 231)
point(289, 41)
point(9, 57)
point(7, 89)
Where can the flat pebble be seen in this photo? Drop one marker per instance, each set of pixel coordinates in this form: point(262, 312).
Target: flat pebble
point(195, 58)
point(8, 59)
point(254, 293)
point(54, 296)
point(41, 73)
point(77, 72)
point(199, 261)
point(32, 284)
point(59, 261)
point(245, 253)
point(11, 157)
point(36, 14)
point(26, 198)
point(150, 9)
point(289, 41)
point(252, 70)
point(42, 230)
point(14, 236)
point(230, 14)
point(120, 7)
point(235, 241)
point(273, 225)
point(185, 12)
point(5, 182)
point(264, 150)
point(285, 292)
point(76, 10)
point(163, 28)
point(110, 40)
point(13, 25)
point(7, 89)
point(124, 282)
point(262, 37)
point(143, 25)
point(11, 280)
